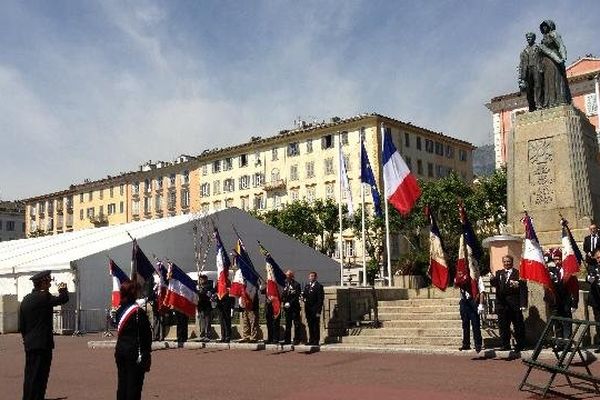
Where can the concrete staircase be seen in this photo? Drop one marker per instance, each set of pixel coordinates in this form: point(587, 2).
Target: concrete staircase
point(420, 322)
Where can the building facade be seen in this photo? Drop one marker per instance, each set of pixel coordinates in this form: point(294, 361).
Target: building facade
point(262, 174)
point(12, 220)
point(583, 76)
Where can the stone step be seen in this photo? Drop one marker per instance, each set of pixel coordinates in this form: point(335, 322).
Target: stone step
point(428, 309)
point(449, 341)
point(419, 302)
point(440, 330)
point(433, 293)
point(422, 324)
point(442, 316)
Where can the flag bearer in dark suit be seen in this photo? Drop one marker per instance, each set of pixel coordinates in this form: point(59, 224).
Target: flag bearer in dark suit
point(35, 324)
point(511, 300)
point(273, 321)
point(593, 277)
point(225, 305)
point(290, 298)
point(470, 306)
point(591, 243)
point(563, 299)
point(313, 296)
point(205, 295)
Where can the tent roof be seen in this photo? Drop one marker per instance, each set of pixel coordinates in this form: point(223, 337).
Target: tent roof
point(57, 251)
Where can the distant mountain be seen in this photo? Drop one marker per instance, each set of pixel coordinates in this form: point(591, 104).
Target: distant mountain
point(484, 160)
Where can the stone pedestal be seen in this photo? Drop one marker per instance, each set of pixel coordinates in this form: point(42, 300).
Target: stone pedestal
point(553, 170)
point(500, 246)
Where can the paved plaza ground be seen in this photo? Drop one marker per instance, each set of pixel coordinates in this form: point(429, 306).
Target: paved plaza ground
point(82, 373)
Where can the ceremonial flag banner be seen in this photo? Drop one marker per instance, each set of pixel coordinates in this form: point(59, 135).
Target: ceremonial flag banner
point(438, 267)
point(249, 283)
point(401, 187)
point(118, 277)
point(223, 265)
point(366, 176)
point(141, 267)
point(571, 255)
point(275, 281)
point(161, 286)
point(182, 294)
point(345, 183)
point(532, 266)
point(469, 253)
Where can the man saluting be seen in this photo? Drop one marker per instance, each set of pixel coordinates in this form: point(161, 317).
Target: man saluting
point(35, 324)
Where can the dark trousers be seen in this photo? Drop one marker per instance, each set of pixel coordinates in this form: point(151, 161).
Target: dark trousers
point(273, 324)
point(37, 371)
point(130, 380)
point(158, 332)
point(225, 319)
point(205, 317)
point(314, 327)
point(596, 311)
point(469, 317)
point(563, 329)
point(511, 315)
point(182, 327)
point(292, 315)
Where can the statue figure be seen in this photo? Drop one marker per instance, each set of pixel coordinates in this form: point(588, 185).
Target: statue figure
point(530, 72)
point(554, 54)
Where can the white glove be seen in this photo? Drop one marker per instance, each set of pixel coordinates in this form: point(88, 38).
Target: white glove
point(318, 315)
point(591, 279)
point(522, 308)
point(573, 310)
point(286, 305)
point(480, 309)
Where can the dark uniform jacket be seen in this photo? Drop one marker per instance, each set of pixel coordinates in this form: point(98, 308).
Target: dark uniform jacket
point(313, 296)
point(35, 318)
point(135, 336)
point(205, 291)
point(593, 276)
point(291, 294)
point(508, 296)
point(587, 248)
point(564, 294)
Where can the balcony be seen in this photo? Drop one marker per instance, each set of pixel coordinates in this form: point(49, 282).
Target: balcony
point(274, 185)
point(171, 206)
point(99, 220)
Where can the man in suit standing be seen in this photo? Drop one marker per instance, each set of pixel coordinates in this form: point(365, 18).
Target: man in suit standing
point(290, 298)
point(205, 295)
point(35, 324)
point(313, 296)
point(591, 243)
point(593, 277)
point(511, 300)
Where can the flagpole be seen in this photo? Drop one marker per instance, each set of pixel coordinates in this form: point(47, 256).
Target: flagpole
point(387, 217)
point(341, 242)
point(362, 207)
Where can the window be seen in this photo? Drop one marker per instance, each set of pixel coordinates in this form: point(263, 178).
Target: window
point(205, 189)
point(276, 200)
point(310, 193)
point(90, 196)
point(244, 182)
point(257, 160)
point(462, 155)
point(148, 185)
point(10, 226)
point(294, 194)
point(216, 166)
point(439, 171)
point(90, 212)
point(259, 203)
point(310, 169)
point(147, 205)
point(294, 172)
point(327, 142)
point(418, 142)
point(81, 214)
point(112, 209)
point(408, 162)
point(217, 205)
point(204, 170)
point(216, 187)
point(347, 162)
point(244, 160)
point(158, 202)
point(228, 166)
point(274, 175)
point(121, 208)
point(0, 224)
point(449, 151)
point(344, 138)
point(81, 197)
point(245, 202)
point(439, 148)
point(591, 104)
point(309, 147)
point(406, 139)
point(419, 167)
point(228, 185)
point(258, 179)
point(172, 200)
point(293, 149)
point(430, 170)
point(429, 145)
point(348, 248)
point(135, 188)
point(185, 198)
point(205, 208)
point(274, 154)
point(121, 189)
point(328, 163)
point(159, 183)
point(112, 192)
point(185, 177)
point(172, 179)
point(228, 203)
point(329, 190)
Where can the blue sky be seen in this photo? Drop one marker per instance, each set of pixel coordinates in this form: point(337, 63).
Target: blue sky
point(90, 89)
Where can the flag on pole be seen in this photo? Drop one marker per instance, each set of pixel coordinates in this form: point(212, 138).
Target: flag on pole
point(142, 269)
point(160, 290)
point(366, 176)
point(438, 267)
point(571, 255)
point(118, 277)
point(246, 286)
point(275, 281)
point(182, 293)
point(240, 249)
point(345, 183)
point(401, 187)
point(533, 266)
point(223, 265)
point(469, 254)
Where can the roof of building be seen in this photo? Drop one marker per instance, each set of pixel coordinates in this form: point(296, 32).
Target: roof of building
point(12, 206)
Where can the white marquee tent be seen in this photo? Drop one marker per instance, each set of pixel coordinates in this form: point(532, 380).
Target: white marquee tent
point(80, 258)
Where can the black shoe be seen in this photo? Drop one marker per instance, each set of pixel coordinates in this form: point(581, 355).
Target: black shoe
point(285, 343)
point(505, 348)
point(463, 348)
point(597, 350)
point(518, 349)
point(477, 349)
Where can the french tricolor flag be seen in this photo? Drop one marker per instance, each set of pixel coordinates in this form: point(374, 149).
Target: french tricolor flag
point(275, 281)
point(161, 286)
point(401, 187)
point(182, 294)
point(118, 277)
point(533, 266)
point(438, 267)
point(245, 282)
point(469, 253)
point(571, 255)
point(223, 265)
